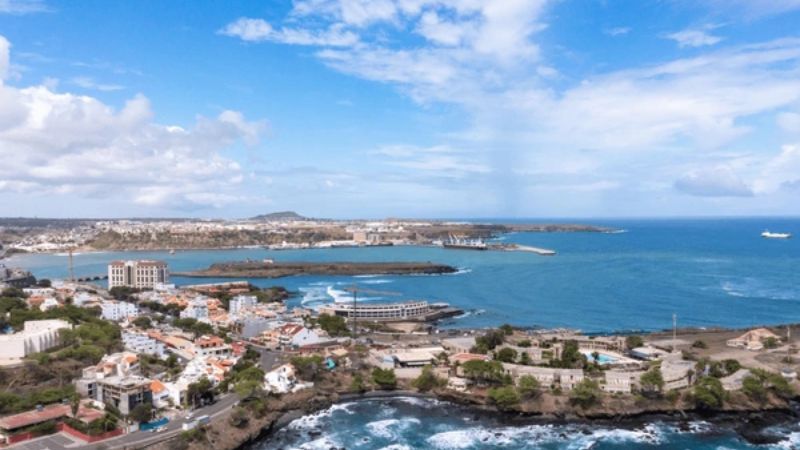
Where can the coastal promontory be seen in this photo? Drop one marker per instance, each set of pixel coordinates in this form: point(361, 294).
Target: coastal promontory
point(274, 269)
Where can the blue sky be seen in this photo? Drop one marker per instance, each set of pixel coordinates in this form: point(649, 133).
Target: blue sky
point(423, 108)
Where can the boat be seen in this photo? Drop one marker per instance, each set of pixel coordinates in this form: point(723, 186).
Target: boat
point(465, 244)
point(769, 235)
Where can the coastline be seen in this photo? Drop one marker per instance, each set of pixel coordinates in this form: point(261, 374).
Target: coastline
point(747, 422)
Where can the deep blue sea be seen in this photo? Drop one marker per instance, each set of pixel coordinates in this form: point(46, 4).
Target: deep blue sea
point(708, 272)
point(410, 423)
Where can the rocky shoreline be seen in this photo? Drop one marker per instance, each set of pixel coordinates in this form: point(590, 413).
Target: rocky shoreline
point(748, 422)
point(253, 269)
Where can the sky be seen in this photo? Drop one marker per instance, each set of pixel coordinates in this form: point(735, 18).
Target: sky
point(400, 108)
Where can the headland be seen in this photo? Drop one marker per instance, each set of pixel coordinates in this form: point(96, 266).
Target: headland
point(275, 269)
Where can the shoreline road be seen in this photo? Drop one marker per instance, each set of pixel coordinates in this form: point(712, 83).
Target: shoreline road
point(130, 441)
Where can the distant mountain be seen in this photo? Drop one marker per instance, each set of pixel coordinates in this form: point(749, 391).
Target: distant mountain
point(280, 215)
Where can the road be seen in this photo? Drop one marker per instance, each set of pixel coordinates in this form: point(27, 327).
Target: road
point(134, 440)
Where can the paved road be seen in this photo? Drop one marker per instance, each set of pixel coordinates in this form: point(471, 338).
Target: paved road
point(137, 439)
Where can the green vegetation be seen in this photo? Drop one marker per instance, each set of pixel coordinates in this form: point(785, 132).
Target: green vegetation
point(525, 343)
point(238, 418)
point(308, 367)
point(333, 325)
point(193, 326)
point(634, 341)
point(488, 342)
point(143, 322)
point(427, 380)
point(483, 372)
point(171, 309)
point(507, 329)
point(528, 387)
point(771, 342)
point(652, 381)
point(587, 393)
point(198, 391)
point(384, 378)
point(524, 359)
point(505, 397)
point(358, 385)
point(571, 357)
point(760, 382)
point(11, 402)
point(699, 344)
point(141, 413)
point(506, 355)
point(124, 293)
point(708, 393)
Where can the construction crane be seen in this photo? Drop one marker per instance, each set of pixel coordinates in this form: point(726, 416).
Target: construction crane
point(355, 290)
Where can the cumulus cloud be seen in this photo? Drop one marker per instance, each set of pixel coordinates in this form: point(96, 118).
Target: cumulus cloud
point(56, 143)
point(713, 182)
point(440, 161)
point(20, 7)
point(5, 47)
point(256, 30)
point(695, 37)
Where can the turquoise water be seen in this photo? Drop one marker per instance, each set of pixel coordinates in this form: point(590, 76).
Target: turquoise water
point(708, 272)
point(410, 423)
point(601, 359)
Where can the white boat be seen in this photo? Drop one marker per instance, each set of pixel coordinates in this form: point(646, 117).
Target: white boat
point(769, 235)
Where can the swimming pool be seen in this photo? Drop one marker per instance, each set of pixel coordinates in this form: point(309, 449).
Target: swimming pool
point(602, 358)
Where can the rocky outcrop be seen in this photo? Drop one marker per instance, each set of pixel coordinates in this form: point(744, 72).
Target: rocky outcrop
point(250, 269)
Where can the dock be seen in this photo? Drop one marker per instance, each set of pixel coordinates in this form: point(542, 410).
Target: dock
point(523, 248)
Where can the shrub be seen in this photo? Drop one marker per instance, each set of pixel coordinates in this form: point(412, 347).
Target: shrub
point(634, 341)
point(384, 378)
point(357, 384)
point(528, 387)
point(708, 393)
point(504, 397)
point(506, 355)
point(427, 380)
point(587, 393)
point(652, 380)
point(699, 344)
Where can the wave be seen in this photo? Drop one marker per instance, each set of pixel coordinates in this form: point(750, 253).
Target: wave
point(378, 281)
point(753, 288)
point(391, 429)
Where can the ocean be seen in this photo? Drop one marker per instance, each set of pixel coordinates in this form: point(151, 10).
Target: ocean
point(710, 272)
point(407, 423)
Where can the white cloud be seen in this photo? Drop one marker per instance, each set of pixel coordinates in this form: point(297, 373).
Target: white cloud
point(439, 161)
point(695, 37)
point(713, 182)
point(90, 83)
point(256, 30)
point(5, 48)
point(617, 31)
point(62, 143)
point(20, 7)
point(789, 121)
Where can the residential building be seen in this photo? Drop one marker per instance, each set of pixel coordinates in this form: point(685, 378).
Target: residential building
point(142, 343)
point(459, 344)
point(116, 310)
point(36, 336)
point(753, 339)
point(144, 274)
point(240, 303)
point(625, 381)
point(215, 346)
point(546, 376)
point(292, 334)
point(114, 380)
point(196, 309)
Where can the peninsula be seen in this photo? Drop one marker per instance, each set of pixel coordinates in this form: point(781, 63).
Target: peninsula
point(271, 269)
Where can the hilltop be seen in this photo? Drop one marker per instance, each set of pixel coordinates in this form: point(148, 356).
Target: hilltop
point(279, 215)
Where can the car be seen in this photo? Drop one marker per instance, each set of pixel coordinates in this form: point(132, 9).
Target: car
point(161, 428)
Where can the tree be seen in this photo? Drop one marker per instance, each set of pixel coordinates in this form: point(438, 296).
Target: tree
point(198, 390)
point(357, 384)
point(708, 393)
point(771, 342)
point(490, 340)
point(506, 355)
point(427, 380)
point(731, 366)
point(239, 418)
point(699, 344)
point(634, 341)
point(507, 329)
point(754, 388)
point(44, 283)
point(384, 378)
point(571, 357)
point(525, 343)
point(586, 393)
point(528, 387)
point(483, 371)
point(333, 325)
point(74, 404)
point(524, 359)
point(652, 381)
point(142, 412)
point(143, 322)
point(308, 367)
point(247, 389)
point(505, 397)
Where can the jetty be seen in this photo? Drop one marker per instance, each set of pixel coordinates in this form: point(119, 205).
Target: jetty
point(522, 248)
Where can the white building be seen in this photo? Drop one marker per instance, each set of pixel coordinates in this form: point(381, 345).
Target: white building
point(117, 311)
point(625, 381)
point(36, 336)
point(137, 274)
point(676, 372)
point(142, 343)
point(197, 309)
point(240, 303)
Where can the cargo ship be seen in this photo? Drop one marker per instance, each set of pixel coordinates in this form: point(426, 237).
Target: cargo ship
point(769, 235)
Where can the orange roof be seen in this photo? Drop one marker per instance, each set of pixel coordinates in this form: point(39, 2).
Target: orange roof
point(130, 359)
point(464, 357)
point(33, 417)
point(157, 387)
